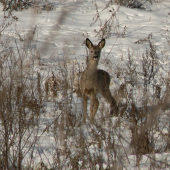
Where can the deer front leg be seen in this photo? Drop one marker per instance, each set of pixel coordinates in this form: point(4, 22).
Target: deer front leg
point(94, 107)
point(84, 108)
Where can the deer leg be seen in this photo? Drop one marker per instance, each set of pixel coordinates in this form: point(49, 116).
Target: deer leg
point(114, 108)
point(85, 108)
point(113, 105)
point(94, 107)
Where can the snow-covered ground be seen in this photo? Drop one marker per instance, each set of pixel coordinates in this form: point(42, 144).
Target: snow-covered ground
point(59, 41)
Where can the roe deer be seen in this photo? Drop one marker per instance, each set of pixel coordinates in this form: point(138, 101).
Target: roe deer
point(95, 81)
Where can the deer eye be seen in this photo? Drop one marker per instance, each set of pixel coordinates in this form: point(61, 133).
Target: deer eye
point(91, 51)
point(98, 52)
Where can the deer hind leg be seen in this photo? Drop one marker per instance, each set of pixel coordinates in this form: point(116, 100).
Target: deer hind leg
point(93, 107)
point(84, 108)
point(114, 110)
point(113, 105)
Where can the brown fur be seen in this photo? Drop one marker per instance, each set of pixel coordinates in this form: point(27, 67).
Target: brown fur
point(95, 81)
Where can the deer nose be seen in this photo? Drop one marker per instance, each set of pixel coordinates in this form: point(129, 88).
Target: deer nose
point(96, 53)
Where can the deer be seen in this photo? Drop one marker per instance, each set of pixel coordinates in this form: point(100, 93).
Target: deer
point(94, 81)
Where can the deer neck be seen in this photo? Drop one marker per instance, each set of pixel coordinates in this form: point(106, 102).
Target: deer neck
point(92, 68)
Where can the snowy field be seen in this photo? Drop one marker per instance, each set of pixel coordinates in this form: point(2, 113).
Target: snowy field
point(42, 57)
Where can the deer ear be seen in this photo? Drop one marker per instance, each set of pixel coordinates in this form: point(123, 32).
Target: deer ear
point(102, 43)
point(89, 44)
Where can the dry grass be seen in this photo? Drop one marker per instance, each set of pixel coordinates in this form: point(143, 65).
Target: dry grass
point(37, 105)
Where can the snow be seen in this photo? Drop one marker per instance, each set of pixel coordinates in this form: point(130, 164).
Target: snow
point(60, 41)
